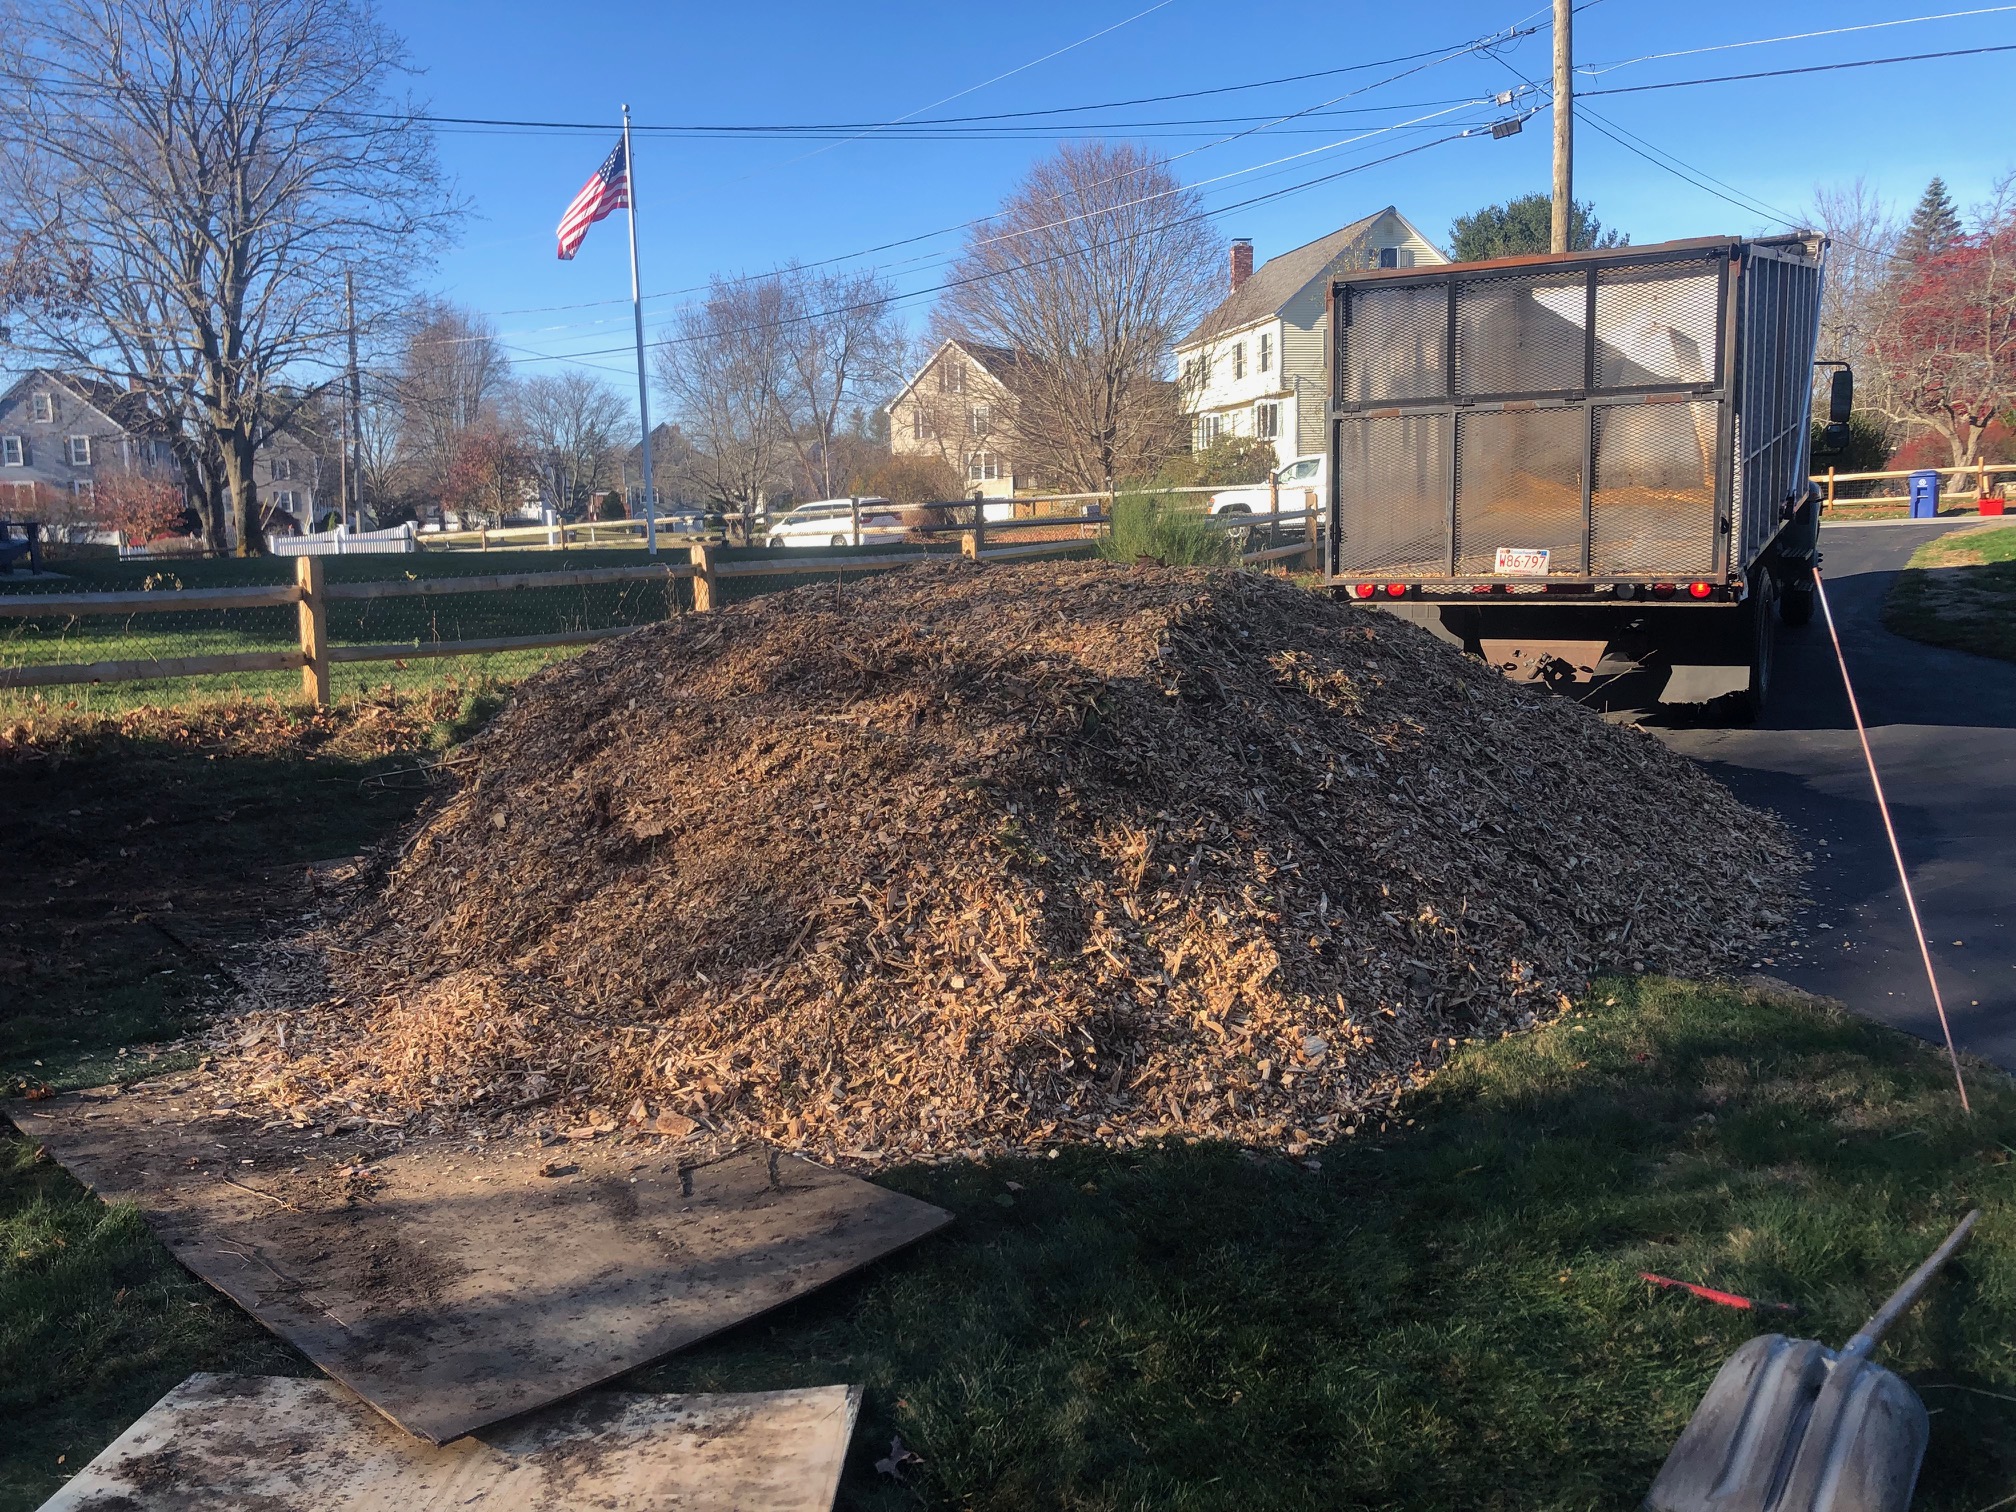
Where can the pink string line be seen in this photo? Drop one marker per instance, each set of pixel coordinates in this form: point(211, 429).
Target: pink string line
point(1896, 852)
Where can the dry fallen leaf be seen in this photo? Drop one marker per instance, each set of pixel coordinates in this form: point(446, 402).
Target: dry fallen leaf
point(900, 1454)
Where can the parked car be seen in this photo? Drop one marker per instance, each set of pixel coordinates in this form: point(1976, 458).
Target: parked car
point(1305, 475)
point(831, 522)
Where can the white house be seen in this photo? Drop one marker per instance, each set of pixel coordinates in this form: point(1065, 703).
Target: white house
point(1255, 366)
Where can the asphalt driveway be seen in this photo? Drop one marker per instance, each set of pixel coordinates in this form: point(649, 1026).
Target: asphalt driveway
point(1943, 726)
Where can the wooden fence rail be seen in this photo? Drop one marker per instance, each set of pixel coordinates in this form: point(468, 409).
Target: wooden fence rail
point(312, 594)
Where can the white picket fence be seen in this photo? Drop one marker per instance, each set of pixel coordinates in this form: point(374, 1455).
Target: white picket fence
point(343, 542)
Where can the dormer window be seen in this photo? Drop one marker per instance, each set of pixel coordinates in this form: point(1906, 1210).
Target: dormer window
point(952, 377)
point(42, 407)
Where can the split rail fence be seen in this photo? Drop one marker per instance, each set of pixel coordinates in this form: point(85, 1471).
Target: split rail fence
point(628, 597)
point(1843, 489)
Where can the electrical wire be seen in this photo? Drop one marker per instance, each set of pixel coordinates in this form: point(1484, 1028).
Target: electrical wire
point(1596, 69)
point(953, 283)
point(1786, 73)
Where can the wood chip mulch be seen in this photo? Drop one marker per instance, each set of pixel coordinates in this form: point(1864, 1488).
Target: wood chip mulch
point(962, 860)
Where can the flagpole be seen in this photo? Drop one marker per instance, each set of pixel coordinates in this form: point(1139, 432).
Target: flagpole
point(637, 310)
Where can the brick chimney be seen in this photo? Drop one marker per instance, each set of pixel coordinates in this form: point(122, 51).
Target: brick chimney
point(1242, 261)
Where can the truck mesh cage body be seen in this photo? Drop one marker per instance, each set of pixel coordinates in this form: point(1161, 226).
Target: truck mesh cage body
point(1641, 414)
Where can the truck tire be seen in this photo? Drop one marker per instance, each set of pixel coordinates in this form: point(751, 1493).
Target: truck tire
point(1762, 636)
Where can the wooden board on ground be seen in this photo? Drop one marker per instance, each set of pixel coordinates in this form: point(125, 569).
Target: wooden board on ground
point(235, 1443)
point(456, 1285)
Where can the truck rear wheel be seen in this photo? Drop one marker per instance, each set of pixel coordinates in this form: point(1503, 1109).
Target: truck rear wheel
point(1762, 635)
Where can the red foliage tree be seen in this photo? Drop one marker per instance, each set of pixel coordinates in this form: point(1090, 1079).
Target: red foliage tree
point(489, 475)
point(1946, 347)
point(142, 507)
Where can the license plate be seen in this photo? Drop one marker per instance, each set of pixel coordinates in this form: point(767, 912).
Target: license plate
point(1522, 561)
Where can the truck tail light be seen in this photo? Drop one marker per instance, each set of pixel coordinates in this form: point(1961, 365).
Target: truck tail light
point(1700, 590)
point(1662, 590)
point(1362, 590)
point(1396, 590)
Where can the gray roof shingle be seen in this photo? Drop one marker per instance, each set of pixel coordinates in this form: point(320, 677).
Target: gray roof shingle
point(1279, 279)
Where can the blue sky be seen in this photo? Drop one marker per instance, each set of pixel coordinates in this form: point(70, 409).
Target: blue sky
point(733, 206)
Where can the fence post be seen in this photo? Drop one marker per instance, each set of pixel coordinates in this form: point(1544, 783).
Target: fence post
point(703, 576)
point(1982, 491)
point(854, 513)
point(1309, 529)
point(969, 545)
point(977, 542)
point(314, 618)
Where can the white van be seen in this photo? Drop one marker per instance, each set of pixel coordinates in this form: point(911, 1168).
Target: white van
point(831, 522)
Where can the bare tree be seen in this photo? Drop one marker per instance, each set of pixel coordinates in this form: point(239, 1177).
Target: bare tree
point(218, 165)
point(571, 423)
point(452, 378)
point(1098, 261)
point(726, 373)
point(1861, 261)
point(842, 342)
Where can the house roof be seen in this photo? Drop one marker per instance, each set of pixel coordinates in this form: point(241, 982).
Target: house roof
point(123, 408)
point(998, 362)
point(1278, 280)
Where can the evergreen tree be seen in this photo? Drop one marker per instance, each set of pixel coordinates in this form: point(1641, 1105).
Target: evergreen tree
point(1934, 228)
point(1525, 225)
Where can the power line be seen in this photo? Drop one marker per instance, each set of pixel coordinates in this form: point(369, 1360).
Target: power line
point(1781, 73)
point(953, 283)
point(1595, 69)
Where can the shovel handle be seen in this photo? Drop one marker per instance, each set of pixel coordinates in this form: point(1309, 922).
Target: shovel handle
point(1864, 1343)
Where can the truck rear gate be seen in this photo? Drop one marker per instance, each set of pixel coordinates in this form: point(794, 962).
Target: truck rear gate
point(1639, 415)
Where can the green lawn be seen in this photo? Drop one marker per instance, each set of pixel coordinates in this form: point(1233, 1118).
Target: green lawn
point(1444, 1313)
point(1960, 591)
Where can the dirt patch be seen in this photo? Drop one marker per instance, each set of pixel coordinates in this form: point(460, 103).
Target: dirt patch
point(963, 860)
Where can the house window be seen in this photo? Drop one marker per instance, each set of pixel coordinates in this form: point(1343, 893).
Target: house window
point(284, 501)
point(983, 467)
point(1266, 351)
point(1267, 421)
point(1238, 359)
point(920, 424)
point(11, 452)
point(42, 407)
point(952, 377)
point(83, 488)
point(24, 496)
point(979, 420)
point(79, 450)
point(283, 469)
point(1209, 429)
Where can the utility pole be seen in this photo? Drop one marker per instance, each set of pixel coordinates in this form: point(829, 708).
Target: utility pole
point(353, 423)
point(1564, 122)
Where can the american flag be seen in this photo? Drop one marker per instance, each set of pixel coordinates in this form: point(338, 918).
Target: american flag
point(607, 189)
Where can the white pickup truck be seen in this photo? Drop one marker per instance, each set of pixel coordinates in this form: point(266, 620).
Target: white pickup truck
point(1300, 485)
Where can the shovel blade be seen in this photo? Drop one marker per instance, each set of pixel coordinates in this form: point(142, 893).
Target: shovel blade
point(1789, 1426)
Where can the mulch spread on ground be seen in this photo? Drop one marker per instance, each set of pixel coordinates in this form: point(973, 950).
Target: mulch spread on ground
point(962, 860)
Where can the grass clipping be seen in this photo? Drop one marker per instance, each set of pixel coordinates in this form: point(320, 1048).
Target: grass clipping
point(967, 860)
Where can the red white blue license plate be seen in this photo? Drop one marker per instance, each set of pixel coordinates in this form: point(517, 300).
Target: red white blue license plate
point(1521, 561)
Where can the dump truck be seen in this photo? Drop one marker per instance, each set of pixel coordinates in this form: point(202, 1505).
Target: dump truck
point(1585, 465)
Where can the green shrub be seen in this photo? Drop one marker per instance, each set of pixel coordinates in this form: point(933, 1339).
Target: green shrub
point(1172, 532)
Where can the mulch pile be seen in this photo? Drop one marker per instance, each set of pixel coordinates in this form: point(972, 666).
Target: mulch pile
point(963, 860)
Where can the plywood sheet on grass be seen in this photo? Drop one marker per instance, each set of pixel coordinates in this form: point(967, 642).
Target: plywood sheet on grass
point(452, 1287)
point(237, 1443)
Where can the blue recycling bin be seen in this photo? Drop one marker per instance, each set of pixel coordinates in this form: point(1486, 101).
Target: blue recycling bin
point(1923, 486)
